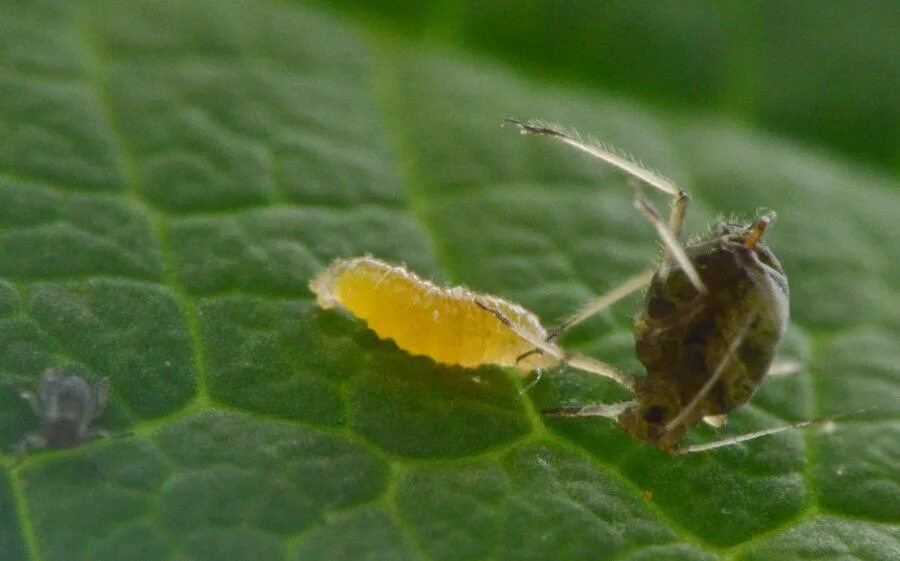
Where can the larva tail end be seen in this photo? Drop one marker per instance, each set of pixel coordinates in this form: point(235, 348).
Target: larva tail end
point(322, 285)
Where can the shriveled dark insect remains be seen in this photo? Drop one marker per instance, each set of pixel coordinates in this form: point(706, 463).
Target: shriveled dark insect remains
point(66, 405)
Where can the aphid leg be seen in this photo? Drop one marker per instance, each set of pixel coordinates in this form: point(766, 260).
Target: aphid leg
point(677, 451)
point(32, 400)
point(594, 366)
point(784, 368)
point(602, 302)
point(610, 410)
point(102, 396)
point(715, 421)
point(676, 225)
point(717, 374)
point(670, 232)
point(673, 250)
point(575, 360)
point(29, 444)
point(101, 433)
point(608, 154)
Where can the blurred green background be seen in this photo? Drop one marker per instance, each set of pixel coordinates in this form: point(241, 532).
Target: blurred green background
point(824, 71)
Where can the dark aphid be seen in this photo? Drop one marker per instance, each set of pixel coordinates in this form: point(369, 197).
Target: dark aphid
point(725, 338)
point(66, 406)
point(713, 314)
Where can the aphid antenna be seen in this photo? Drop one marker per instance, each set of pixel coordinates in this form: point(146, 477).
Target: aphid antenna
point(717, 374)
point(765, 432)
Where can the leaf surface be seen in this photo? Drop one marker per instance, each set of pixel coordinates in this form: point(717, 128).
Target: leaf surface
point(172, 174)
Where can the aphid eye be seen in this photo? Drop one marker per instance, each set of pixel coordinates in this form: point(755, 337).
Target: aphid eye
point(654, 414)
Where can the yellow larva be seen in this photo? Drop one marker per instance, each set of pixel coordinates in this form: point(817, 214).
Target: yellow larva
point(451, 325)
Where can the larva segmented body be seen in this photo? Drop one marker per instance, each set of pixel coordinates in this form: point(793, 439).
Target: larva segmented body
point(451, 325)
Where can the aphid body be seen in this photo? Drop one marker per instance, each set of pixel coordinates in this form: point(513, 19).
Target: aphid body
point(683, 337)
point(66, 407)
point(450, 325)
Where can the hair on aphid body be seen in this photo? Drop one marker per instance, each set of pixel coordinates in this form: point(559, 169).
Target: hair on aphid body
point(714, 311)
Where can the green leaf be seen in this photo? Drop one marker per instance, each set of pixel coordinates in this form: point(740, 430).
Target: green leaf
point(820, 73)
point(172, 174)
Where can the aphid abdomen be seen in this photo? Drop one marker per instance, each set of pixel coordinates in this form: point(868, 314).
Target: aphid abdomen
point(743, 293)
point(450, 325)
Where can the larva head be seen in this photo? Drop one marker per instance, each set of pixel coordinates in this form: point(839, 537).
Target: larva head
point(323, 284)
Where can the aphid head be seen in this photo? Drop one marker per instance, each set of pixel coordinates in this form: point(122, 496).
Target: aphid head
point(646, 419)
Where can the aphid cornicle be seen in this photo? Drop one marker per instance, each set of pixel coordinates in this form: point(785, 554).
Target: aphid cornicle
point(713, 313)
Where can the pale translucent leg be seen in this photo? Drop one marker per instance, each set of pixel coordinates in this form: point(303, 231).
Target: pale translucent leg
point(27, 445)
point(574, 360)
point(674, 250)
point(594, 366)
point(784, 368)
point(676, 225)
point(718, 421)
point(715, 421)
point(757, 434)
point(608, 154)
point(668, 232)
point(777, 369)
point(32, 400)
point(602, 302)
point(609, 410)
point(102, 397)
